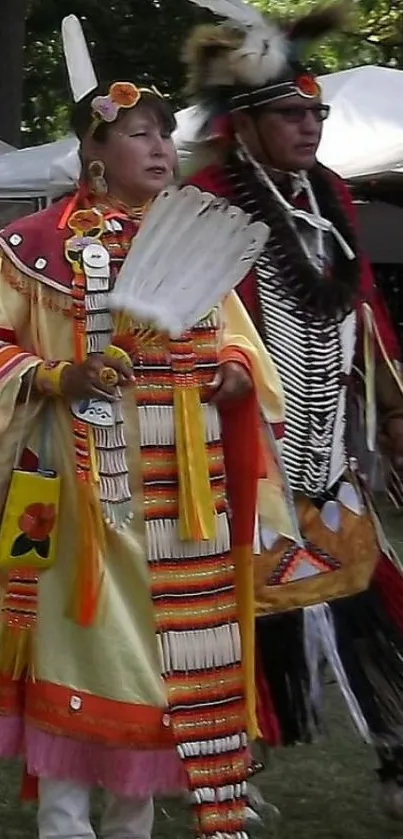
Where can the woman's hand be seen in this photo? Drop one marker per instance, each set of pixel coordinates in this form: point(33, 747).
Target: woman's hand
point(93, 378)
point(231, 382)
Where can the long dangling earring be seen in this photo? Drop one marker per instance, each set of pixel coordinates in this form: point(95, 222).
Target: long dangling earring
point(96, 177)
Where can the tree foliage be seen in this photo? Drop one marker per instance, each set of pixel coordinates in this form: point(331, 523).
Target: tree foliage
point(373, 33)
point(142, 40)
point(12, 35)
point(138, 40)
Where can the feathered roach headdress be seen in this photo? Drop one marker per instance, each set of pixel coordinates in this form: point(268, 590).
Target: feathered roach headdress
point(250, 61)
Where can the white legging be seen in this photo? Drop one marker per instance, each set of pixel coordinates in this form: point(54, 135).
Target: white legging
point(64, 813)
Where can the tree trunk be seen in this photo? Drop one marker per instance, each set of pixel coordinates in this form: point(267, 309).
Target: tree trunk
point(12, 35)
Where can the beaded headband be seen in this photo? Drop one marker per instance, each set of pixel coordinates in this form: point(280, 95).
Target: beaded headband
point(302, 85)
point(124, 95)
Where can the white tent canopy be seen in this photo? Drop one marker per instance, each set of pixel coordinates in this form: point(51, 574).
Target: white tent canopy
point(27, 173)
point(364, 133)
point(5, 147)
point(363, 136)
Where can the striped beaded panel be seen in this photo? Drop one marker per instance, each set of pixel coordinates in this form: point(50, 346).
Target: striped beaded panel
point(110, 443)
point(19, 605)
point(314, 361)
point(193, 593)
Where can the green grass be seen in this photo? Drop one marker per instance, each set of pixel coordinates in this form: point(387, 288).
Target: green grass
point(325, 791)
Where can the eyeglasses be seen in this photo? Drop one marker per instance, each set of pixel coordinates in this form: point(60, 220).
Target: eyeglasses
point(297, 114)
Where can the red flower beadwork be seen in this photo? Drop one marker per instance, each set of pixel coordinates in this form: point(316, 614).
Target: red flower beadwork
point(37, 521)
point(308, 86)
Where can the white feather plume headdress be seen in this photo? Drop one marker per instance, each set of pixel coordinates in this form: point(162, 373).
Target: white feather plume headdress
point(81, 72)
point(248, 51)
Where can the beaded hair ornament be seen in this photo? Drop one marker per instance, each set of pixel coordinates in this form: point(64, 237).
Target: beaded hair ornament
point(120, 95)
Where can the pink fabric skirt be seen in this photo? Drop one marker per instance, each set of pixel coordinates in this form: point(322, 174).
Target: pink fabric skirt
point(122, 771)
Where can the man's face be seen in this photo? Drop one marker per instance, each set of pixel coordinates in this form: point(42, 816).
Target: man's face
point(286, 134)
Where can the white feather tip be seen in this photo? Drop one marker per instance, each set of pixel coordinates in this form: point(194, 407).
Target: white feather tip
point(262, 56)
point(79, 65)
point(234, 10)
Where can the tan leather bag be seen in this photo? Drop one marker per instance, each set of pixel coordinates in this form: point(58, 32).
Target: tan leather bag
point(333, 563)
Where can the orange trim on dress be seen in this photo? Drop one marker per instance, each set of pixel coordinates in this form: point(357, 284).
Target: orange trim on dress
point(67, 712)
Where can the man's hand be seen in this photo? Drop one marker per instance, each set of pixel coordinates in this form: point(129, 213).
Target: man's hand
point(91, 379)
point(231, 382)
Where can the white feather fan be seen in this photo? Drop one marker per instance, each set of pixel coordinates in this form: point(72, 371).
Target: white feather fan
point(191, 251)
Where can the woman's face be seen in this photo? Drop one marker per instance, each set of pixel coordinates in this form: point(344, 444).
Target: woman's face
point(138, 154)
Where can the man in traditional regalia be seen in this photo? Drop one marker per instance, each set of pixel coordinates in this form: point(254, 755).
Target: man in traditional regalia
point(331, 587)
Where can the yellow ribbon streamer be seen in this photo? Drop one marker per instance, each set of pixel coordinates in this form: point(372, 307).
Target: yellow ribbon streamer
point(196, 505)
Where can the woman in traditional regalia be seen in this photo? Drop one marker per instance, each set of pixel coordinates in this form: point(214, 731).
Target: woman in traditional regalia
point(128, 663)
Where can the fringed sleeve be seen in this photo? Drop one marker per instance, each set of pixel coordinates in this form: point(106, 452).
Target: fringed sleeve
point(15, 356)
point(15, 361)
